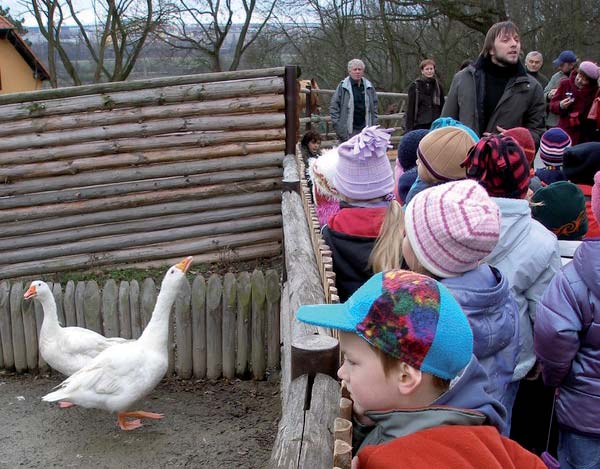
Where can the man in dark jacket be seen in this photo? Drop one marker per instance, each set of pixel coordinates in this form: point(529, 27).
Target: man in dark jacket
point(496, 93)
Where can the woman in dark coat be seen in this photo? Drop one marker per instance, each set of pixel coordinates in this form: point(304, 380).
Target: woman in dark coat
point(425, 98)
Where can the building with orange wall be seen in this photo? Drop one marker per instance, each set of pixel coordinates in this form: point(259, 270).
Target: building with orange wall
point(20, 69)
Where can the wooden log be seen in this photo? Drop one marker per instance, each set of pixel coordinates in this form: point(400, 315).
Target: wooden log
point(138, 85)
point(315, 353)
point(343, 430)
point(39, 319)
point(134, 309)
point(344, 390)
point(219, 246)
point(8, 355)
point(1, 356)
point(148, 129)
point(229, 324)
point(290, 432)
point(147, 301)
point(140, 239)
point(140, 98)
point(124, 311)
point(199, 334)
point(183, 332)
point(135, 200)
point(287, 318)
point(91, 307)
point(69, 304)
point(79, 301)
point(110, 316)
point(317, 444)
point(137, 213)
point(214, 333)
point(58, 299)
point(78, 120)
point(136, 226)
point(346, 408)
point(258, 325)
point(30, 334)
point(196, 171)
point(244, 294)
point(74, 166)
point(127, 145)
point(342, 455)
point(273, 295)
point(18, 333)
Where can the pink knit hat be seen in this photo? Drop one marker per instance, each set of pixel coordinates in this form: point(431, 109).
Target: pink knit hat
point(596, 197)
point(452, 227)
point(363, 169)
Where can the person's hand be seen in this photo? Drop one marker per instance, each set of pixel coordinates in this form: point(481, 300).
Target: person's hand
point(565, 103)
point(551, 93)
point(355, 463)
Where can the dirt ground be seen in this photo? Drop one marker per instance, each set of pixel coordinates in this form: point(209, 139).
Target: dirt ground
point(207, 424)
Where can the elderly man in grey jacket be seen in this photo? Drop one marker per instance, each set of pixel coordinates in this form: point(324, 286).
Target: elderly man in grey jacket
point(496, 93)
point(354, 103)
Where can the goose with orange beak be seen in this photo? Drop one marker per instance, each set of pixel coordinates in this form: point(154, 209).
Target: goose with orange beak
point(125, 373)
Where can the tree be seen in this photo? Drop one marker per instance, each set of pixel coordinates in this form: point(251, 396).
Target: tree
point(207, 28)
point(114, 43)
point(18, 24)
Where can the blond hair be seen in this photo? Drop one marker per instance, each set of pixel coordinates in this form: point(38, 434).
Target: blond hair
point(387, 251)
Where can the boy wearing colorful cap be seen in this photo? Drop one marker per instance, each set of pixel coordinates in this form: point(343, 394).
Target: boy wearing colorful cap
point(552, 147)
point(404, 338)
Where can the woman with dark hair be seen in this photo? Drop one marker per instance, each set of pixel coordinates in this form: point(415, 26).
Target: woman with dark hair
point(425, 98)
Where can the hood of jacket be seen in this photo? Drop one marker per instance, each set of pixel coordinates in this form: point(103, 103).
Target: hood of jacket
point(515, 226)
point(346, 83)
point(587, 264)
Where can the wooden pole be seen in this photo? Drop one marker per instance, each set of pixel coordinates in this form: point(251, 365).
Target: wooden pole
point(91, 307)
point(124, 310)
point(315, 354)
point(110, 318)
point(69, 304)
point(244, 294)
point(8, 355)
point(258, 325)
point(134, 309)
point(214, 333)
point(343, 430)
point(147, 300)
point(183, 332)
point(79, 300)
point(229, 324)
point(273, 291)
point(342, 455)
point(292, 73)
point(30, 334)
point(199, 333)
point(346, 408)
point(18, 333)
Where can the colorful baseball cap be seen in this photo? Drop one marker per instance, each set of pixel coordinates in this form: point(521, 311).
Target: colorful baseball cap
point(406, 315)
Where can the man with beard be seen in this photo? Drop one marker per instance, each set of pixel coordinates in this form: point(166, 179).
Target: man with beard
point(496, 93)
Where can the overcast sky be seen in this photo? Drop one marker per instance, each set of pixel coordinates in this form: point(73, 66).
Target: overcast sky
point(18, 11)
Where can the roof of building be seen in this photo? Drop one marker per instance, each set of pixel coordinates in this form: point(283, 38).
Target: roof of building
point(9, 32)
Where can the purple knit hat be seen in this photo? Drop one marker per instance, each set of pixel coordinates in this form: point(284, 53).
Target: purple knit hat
point(596, 197)
point(363, 170)
point(452, 227)
point(590, 69)
point(552, 146)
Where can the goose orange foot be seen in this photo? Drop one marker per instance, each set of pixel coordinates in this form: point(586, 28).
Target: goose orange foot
point(65, 404)
point(137, 415)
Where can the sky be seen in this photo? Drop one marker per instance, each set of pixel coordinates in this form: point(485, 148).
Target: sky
point(18, 11)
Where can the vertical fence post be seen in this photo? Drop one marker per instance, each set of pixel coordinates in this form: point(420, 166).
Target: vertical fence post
point(39, 319)
point(58, 299)
point(244, 290)
point(30, 334)
point(214, 335)
point(124, 313)
point(91, 306)
point(69, 304)
point(273, 292)
point(8, 355)
point(199, 327)
point(258, 325)
point(110, 317)
point(292, 72)
point(134, 309)
point(18, 334)
point(148, 300)
point(229, 324)
point(183, 328)
point(79, 299)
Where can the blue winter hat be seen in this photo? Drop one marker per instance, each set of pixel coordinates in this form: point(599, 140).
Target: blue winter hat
point(566, 56)
point(407, 150)
point(406, 315)
point(450, 122)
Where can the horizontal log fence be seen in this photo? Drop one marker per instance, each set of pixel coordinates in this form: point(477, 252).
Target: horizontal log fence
point(131, 173)
point(225, 326)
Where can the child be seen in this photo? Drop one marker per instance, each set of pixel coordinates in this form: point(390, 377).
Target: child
point(449, 229)
point(404, 338)
point(364, 182)
point(552, 146)
point(405, 172)
point(310, 145)
point(567, 341)
point(321, 171)
point(528, 256)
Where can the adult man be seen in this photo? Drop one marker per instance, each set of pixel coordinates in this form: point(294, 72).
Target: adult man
point(533, 63)
point(565, 62)
point(354, 103)
point(495, 93)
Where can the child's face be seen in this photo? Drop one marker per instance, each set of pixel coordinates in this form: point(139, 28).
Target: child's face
point(363, 373)
point(313, 146)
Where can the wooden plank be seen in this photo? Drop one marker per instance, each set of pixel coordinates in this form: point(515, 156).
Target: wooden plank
point(183, 332)
point(18, 333)
point(290, 432)
point(69, 304)
point(229, 324)
point(30, 334)
point(134, 309)
point(91, 307)
point(8, 355)
point(148, 300)
point(258, 325)
point(243, 326)
point(273, 296)
point(58, 299)
point(124, 310)
point(287, 317)
point(110, 316)
point(39, 320)
point(199, 334)
point(214, 333)
point(79, 301)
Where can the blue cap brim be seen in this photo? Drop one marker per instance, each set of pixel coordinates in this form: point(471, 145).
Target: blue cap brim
point(334, 316)
point(556, 63)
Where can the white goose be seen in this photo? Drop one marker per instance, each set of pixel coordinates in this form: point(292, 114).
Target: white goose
point(125, 373)
point(66, 349)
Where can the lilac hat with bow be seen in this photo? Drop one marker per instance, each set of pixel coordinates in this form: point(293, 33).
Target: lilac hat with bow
point(363, 170)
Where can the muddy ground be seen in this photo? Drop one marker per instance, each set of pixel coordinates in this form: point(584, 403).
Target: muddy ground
point(207, 424)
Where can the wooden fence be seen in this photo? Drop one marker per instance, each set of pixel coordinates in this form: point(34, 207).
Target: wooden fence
point(142, 172)
point(226, 326)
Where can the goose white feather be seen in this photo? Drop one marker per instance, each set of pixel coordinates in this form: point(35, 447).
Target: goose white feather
point(66, 349)
point(125, 373)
